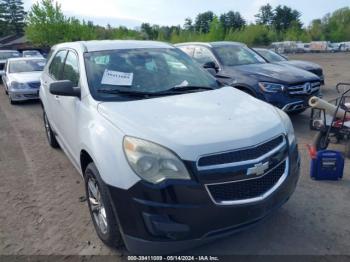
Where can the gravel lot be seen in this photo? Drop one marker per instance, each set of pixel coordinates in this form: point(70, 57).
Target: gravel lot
point(41, 212)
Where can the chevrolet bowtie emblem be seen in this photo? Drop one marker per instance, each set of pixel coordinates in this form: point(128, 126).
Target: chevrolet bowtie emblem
point(258, 169)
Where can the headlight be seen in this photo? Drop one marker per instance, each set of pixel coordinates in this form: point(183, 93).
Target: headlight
point(17, 85)
point(271, 87)
point(287, 125)
point(153, 162)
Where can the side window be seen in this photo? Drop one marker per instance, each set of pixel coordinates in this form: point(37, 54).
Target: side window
point(189, 50)
point(202, 55)
point(55, 69)
point(71, 68)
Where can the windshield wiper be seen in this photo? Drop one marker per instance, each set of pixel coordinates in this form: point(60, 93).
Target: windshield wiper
point(171, 91)
point(189, 88)
point(132, 93)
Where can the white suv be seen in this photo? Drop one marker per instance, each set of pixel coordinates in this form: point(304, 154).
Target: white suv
point(169, 157)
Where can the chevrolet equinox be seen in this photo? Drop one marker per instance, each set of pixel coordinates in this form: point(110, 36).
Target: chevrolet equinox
point(170, 158)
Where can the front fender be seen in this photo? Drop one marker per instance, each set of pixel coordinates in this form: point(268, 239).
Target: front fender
point(104, 143)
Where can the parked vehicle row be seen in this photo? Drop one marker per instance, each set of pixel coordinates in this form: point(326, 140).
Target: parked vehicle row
point(313, 47)
point(176, 144)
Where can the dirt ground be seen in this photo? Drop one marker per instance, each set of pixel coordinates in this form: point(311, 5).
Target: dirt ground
point(41, 212)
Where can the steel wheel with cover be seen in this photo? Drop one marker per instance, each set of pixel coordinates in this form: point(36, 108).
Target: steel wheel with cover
point(51, 138)
point(321, 142)
point(100, 208)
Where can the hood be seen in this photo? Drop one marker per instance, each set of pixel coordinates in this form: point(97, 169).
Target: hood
point(271, 72)
point(197, 123)
point(301, 64)
point(25, 77)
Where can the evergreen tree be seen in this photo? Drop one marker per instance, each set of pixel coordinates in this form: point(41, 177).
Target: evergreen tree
point(13, 15)
point(3, 25)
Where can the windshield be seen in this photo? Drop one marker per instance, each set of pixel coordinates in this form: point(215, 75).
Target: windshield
point(7, 55)
point(144, 70)
point(31, 53)
point(271, 56)
point(22, 66)
point(235, 55)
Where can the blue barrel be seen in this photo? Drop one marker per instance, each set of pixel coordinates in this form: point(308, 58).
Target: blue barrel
point(328, 165)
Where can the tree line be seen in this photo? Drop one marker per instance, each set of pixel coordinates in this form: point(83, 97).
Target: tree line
point(45, 25)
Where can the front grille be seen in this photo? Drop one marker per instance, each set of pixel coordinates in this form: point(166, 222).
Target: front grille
point(34, 85)
point(241, 155)
point(247, 189)
point(304, 88)
point(31, 95)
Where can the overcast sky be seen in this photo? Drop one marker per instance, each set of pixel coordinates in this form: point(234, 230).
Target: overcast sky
point(132, 13)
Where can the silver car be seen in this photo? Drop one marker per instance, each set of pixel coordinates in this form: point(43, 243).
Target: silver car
point(22, 78)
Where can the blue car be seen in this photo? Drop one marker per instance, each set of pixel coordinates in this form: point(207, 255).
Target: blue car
point(286, 87)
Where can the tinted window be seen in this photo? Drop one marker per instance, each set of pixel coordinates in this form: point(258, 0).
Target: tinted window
point(202, 55)
point(21, 66)
point(234, 55)
point(71, 68)
point(56, 65)
point(144, 70)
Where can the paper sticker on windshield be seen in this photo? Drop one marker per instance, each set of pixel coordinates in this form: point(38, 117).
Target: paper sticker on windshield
point(117, 78)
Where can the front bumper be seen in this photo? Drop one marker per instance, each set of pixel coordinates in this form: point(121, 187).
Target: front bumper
point(23, 95)
point(179, 215)
point(289, 103)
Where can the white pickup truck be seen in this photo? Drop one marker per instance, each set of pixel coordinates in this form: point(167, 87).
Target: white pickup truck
point(170, 158)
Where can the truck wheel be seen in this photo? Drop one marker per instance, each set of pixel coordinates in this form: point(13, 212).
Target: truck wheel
point(51, 138)
point(320, 141)
point(100, 208)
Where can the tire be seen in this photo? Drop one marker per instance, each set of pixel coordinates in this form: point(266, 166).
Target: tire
point(247, 91)
point(51, 138)
point(347, 149)
point(297, 112)
point(100, 208)
point(11, 101)
point(320, 141)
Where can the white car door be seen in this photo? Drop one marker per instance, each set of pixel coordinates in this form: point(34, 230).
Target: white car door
point(69, 108)
point(51, 102)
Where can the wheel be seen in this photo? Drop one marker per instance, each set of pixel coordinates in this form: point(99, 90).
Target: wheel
point(51, 138)
point(347, 149)
point(11, 101)
point(297, 112)
point(100, 208)
point(320, 141)
point(247, 91)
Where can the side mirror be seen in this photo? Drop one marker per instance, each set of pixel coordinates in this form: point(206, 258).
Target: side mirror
point(211, 67)
point(64, 88)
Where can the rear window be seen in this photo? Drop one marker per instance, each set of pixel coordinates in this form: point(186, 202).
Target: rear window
point(22, 66)
point(7, 55)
